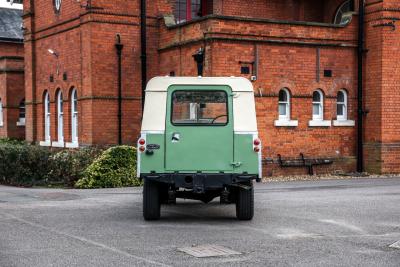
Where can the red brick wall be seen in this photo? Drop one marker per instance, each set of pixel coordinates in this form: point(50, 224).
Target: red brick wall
point(11, 90)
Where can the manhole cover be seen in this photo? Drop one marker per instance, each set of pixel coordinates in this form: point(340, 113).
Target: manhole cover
point(208, 251)
point(395, 245)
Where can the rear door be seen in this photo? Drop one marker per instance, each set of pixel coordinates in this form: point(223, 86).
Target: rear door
point(199, 129)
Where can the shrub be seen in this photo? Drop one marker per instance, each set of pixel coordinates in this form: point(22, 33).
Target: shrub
point(115, 167)
point(67, 166)
point(23, 164)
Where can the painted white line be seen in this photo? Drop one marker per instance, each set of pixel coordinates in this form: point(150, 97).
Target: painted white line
point(84, 240)
point(395, 245)
point(344, 225)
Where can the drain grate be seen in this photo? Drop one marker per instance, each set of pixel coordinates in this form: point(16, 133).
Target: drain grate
point(206, 251)
point(395, 245)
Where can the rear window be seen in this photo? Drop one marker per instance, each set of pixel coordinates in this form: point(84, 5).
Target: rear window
point(199, 108)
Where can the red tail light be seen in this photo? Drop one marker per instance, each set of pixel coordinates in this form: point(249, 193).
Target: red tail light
point(142, 142)
point(257, 142)
point(142, 149)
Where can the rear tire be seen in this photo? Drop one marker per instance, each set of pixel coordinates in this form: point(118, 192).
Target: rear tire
point(151, 201)
point(245, 204)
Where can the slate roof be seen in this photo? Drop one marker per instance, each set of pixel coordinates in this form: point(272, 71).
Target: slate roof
point(10, 25)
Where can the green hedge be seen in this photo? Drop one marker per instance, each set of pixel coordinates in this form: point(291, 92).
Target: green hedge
point(116, 167)
point(22, 164)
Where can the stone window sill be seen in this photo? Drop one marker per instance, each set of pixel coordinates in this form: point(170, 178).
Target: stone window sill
point(45, 143)
point(319, 123)
point(286, 123)
point(72, 145)
point(57, 144)
point(344, 123)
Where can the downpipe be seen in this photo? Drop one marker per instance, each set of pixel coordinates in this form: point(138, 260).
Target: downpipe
point(360, 108)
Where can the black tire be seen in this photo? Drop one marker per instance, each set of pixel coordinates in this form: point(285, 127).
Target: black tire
point(245, 204)
point(151, 201)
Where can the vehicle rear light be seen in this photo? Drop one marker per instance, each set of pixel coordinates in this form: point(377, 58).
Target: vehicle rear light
point(142, 142)
point(256, 149)
point(257, 142)
point(142, 149)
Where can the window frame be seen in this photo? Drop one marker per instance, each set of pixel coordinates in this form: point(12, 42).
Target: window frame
point(74, 116)
point(1, 113)
point(287, 105)
point(320, 116)
point(188, 16)
point(339, 12)
point(200, 124)
point(21, 111)
point(60, 117)
point(343, 117)
point(47, 120)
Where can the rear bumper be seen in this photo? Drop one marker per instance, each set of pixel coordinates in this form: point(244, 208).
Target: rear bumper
point(201, 182)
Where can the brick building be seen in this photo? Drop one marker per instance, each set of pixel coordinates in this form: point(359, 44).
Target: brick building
point(302, 56)
point(12, 93)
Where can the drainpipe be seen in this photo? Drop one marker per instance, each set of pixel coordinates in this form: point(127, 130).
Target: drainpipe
point(199, 58)
point(143, 56)
point(119, 48)
point(360, 111)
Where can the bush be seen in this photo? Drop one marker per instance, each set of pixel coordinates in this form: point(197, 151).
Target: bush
point(23, 164)
point(67, 166)
point(115, 167)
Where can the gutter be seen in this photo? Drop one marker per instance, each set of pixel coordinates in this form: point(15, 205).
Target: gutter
point(360, 110)
point(119, 48)
point(143, 56)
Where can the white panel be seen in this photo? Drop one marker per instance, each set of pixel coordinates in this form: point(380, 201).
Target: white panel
point(244, 112)
point(154, 111)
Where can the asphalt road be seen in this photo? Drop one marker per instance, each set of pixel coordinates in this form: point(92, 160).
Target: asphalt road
point(325, 223)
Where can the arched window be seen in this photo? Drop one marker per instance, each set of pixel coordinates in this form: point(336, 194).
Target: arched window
point(47, 137)
point(74, 116)
point(341, 105)
point(21, 116)
point(284, 104)
point(1, 113)
point(344, 8)
point(318, 105)
point(60, 117)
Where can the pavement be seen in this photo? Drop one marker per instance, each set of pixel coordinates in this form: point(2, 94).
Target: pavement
point(313, 223)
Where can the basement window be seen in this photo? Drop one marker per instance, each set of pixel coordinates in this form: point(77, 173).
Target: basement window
point(186, 10)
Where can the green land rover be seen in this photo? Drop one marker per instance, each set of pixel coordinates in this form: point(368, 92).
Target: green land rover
point(199, 140)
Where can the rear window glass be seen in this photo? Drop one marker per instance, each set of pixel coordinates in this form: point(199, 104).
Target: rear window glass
point(199, 108)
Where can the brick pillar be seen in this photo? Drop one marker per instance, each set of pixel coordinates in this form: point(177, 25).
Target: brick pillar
point(382, 63)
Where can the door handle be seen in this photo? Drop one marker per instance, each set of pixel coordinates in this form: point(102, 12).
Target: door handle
point(176, 137)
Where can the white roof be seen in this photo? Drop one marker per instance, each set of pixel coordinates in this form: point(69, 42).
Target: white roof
point(238, 84)
point(155, 110)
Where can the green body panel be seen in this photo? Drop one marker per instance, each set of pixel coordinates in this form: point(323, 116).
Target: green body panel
point(201, 148)
point(155, 162)
point(245, 155)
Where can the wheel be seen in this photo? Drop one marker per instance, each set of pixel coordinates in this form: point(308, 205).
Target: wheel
point(151, 201)
point(245, 203)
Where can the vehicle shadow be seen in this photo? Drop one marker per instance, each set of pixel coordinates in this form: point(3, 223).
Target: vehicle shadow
point(195, 211)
